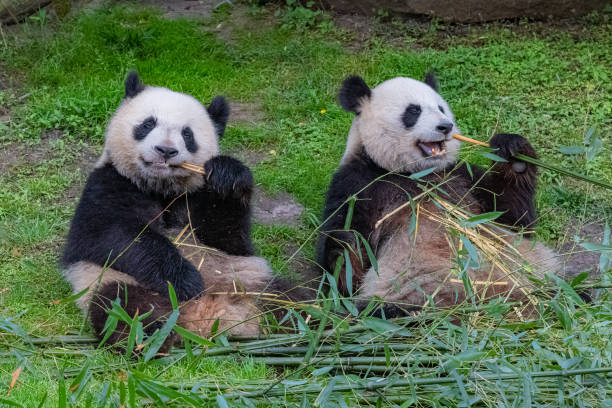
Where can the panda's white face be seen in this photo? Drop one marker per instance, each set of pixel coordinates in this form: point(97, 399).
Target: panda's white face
point(405, 126)
point(153, 132)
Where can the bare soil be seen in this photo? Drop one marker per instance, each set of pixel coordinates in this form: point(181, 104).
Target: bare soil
point(279, 208)
point(184, 8)
point(245, 112)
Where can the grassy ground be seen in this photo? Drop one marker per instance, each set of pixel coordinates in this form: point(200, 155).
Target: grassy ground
point(552, 86)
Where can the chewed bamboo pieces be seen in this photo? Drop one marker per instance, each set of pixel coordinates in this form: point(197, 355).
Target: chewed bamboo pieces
point(193, 167)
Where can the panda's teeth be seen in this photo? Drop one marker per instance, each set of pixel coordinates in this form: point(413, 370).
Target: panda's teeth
point(433, 148)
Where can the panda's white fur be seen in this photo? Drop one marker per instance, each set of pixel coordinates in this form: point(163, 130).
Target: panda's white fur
point(379, 129)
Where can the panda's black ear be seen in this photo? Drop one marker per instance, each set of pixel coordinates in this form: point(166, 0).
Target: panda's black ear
point(133, 86)
point(430, 79)
point(353, 91)
point(219, 110)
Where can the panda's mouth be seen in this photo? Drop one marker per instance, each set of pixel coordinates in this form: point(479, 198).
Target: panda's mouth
point(160, 164)
point(433, 148)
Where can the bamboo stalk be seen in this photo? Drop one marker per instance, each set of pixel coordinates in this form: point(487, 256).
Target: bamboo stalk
point(547, 166)
point(193, 167)
point(373, 385)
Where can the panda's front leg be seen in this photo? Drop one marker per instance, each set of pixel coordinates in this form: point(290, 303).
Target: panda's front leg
point(221, 209)
point(513, 181)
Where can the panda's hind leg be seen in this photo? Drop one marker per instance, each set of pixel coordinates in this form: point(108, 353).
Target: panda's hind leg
point(136, 301)
point(233, 286)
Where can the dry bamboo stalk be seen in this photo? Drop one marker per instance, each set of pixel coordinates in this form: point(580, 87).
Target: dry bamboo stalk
point(467, 139)
point(193, 167)
point(500, 283)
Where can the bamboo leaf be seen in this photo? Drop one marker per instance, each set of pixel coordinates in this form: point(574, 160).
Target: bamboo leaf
point(370, 253)
point(43, 400)
point(493, 157)
point(132, 335)
point(214, 328)
point(104, 394)
point(131, 390)
point(423, 173)
point(122, 393)
point(481, 218)
point(293, 383)
point(186, 334)
point(323, 370)
point(379, 325)
point(350, 306)
point(572, 150)
point(348, 272)
point(562, 314)
point(79, 382)
point(323, 397)
point(172, 295)
point(469, 169)
point(221, 401)
point(160, 336)
point(593, 149)
point(579, 279)
point(472, 252)
point(62, 400)
point(10, 402)
point(349, 214)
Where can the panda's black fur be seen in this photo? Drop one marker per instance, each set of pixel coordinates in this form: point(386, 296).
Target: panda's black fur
point(119, 246)
point(372, 170)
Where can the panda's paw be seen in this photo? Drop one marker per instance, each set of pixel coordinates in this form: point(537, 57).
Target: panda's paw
point(188, 284)
point(508, 145)
point(229, 177)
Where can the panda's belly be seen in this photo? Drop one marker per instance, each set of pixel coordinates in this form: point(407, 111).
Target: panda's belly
point(415, 265)
point(410, 263)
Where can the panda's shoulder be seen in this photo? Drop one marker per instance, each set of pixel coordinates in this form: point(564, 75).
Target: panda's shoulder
point(106, 184)
point(106, 176)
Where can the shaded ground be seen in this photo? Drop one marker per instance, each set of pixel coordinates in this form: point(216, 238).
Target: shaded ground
point(184, 8)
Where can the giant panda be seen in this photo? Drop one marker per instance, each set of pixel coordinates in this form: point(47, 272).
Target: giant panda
point(401, 127)
point(138, 198)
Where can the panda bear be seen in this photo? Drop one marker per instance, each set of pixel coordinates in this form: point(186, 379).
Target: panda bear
point(401, 127)
point(138, 197)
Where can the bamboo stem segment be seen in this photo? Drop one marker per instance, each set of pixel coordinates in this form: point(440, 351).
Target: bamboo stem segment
point(193, 167)
point(469, 140)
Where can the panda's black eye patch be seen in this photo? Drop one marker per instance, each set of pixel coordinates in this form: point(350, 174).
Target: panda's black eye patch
point(411, 115)
point(141, 131)
point(190, 143)
point(441, 109)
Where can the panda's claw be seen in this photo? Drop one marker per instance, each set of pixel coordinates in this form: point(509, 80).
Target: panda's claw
point(508, 145)
point(229, 177)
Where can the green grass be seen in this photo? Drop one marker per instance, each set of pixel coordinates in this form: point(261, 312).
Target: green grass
point(549, 87)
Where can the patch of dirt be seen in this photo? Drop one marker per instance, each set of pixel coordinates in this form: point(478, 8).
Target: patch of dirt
point(184, 8)
point(249, 157)
point(279, 208)
point(15, 153)
point(245, 112)
point(418, 32)
point(83, 158)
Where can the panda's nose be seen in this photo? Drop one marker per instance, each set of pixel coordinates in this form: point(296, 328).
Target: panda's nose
point(166, 151)
point(445, 127)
